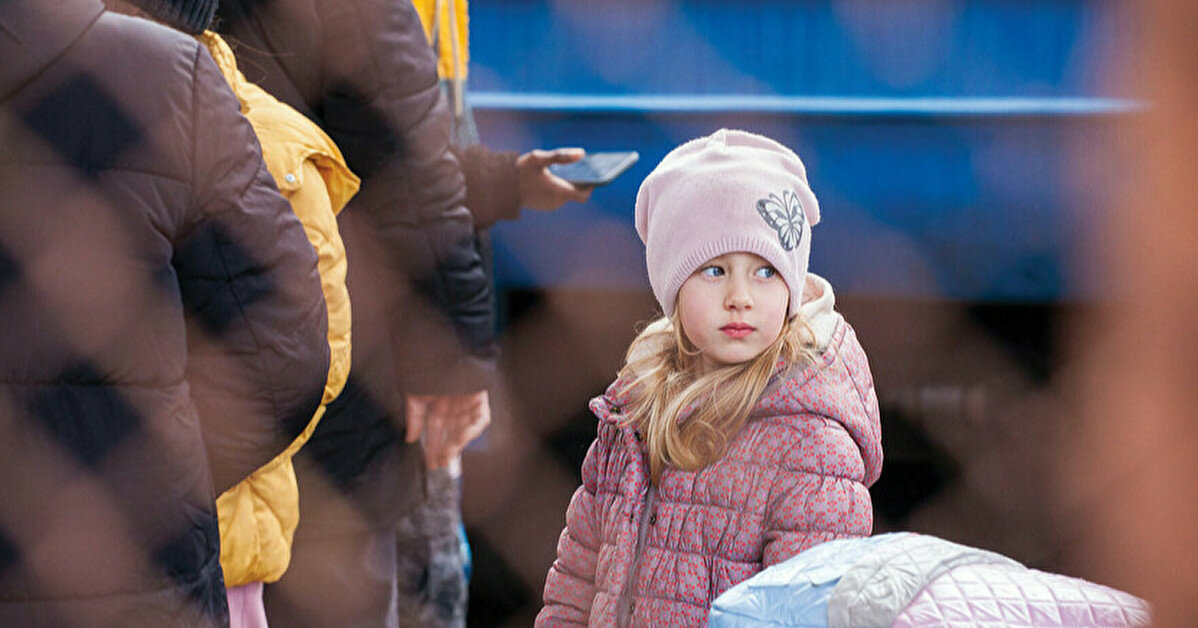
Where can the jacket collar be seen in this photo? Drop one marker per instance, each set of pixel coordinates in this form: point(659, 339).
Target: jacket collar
point(33, 33)
point(819, 310)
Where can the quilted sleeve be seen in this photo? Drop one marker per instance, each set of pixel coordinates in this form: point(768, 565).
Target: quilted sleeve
point(258, 356)
point(382, 105)
point(818, 494)
point(570, 585)
point(492, 184)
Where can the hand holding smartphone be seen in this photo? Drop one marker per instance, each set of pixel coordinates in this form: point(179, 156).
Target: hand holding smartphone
point(596, 169)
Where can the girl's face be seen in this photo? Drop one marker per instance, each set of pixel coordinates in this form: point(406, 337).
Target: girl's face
point(733, 308)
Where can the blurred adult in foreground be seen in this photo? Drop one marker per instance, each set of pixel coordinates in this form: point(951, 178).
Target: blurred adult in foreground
point(259, 515)
point(160, 312)
point(423, 328)
point(1133, 468)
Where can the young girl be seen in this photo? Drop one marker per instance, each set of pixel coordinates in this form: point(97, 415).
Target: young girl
point(743, 428)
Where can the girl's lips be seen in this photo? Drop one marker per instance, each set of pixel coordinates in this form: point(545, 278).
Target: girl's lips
point(738, 330)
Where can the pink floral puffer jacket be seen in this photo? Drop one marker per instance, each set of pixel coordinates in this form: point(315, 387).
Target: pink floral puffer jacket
point(795, 476)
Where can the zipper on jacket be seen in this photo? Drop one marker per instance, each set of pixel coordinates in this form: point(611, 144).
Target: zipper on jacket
point(628, 599)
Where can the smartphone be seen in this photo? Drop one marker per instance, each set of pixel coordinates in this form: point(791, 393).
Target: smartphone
point(596, 168)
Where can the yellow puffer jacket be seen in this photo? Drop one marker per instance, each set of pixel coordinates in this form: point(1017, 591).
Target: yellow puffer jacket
point(259, 515)
point(448, 30)
point(447, 27)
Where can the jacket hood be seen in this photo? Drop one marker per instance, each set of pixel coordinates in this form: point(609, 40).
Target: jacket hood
point(838, 385)
point(33, 33)
point(819, 311)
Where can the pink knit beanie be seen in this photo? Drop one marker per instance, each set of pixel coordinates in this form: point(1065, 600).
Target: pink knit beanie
point(731, 191)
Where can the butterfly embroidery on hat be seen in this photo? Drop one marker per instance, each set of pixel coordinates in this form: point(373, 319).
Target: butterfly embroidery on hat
point(785, 215)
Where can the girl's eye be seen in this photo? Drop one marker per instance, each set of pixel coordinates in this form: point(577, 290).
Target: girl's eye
point(712, 271)
point(766, 272)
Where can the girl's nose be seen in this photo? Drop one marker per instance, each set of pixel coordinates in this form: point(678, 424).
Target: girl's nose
point(738, 296)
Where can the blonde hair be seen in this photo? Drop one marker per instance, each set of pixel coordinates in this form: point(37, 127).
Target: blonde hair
point(666, 380)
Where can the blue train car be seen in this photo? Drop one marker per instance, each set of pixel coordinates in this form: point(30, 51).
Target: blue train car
point(940, 135)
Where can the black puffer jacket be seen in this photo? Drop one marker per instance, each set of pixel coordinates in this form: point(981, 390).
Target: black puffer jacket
point(132, 192)
point(363, 70)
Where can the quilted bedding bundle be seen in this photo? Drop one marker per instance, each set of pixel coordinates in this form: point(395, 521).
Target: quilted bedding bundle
point(905, 580)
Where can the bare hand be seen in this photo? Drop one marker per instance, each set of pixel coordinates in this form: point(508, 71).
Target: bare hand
point(540, 188)
point(447, 423)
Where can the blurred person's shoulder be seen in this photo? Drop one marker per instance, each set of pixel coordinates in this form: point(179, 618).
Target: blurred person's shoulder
point(158, 80)
point(128, 43)
point(150, 70)
point(44, 40)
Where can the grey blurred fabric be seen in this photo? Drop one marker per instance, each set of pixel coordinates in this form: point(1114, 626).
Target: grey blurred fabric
point(431, 583)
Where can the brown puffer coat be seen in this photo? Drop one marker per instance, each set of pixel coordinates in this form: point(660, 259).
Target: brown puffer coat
point(363, 71)
point(161, 318)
